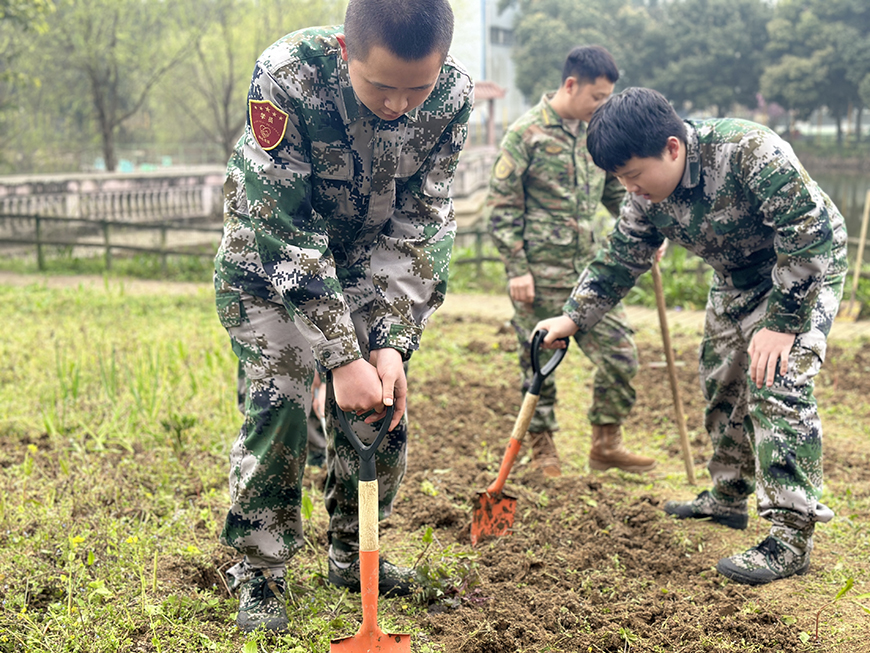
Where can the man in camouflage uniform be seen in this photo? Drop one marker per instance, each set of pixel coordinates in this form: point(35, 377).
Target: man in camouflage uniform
point(543, 194)
point(337, 238)
point(735, 194)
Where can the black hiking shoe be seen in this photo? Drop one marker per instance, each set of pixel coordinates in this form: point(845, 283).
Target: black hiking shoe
point(767, 561)
point(392, 580)
point(706, 506)
point(316, 457)
point(261, 603)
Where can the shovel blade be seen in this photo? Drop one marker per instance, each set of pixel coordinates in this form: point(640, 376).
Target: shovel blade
point(373, 641)
point(493, 516)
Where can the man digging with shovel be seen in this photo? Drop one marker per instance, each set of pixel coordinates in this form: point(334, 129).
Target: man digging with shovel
point(543, 194)
point(338, 228)
point(735, 194)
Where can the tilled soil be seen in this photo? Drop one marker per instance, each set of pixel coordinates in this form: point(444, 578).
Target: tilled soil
point(593, 563)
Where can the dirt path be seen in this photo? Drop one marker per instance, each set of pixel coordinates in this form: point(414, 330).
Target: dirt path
point(496, 307)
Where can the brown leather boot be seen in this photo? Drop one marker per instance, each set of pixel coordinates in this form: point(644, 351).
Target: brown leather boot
point(544, 454)
point(608, 451)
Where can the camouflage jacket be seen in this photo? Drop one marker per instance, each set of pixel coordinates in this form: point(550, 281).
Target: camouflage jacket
point(543, 193)
point(328, 207)
point(749, 209)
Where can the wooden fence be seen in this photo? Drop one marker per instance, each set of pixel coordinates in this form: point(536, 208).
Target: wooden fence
point(99, 234)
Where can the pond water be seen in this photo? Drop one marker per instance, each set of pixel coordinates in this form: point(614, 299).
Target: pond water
point(849, 192)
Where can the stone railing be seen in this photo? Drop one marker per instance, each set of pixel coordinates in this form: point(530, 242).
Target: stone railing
point(473, 170)
point(129, 197)
point(164, 195)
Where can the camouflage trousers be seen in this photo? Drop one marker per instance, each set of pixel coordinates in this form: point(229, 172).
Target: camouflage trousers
point(316, 436)
point(609, 346)
point(767, 440)
point(267, 459)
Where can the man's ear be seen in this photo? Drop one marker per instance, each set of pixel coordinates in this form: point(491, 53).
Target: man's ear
point(570, 84)
point(342, 45)
point(673, 147)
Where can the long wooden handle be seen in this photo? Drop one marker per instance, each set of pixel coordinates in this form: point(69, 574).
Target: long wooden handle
point(368, 555)
point(368, 515)
point(860, 258)
point(672, 373)
point(521, 426)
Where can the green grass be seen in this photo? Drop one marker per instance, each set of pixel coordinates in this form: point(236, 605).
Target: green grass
point(60, 260)
point(116, 416)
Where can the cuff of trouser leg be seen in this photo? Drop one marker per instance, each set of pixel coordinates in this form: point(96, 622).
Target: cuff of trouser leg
point(728, 499)
point(797, 539)
point(343, 552)
point(245, 570)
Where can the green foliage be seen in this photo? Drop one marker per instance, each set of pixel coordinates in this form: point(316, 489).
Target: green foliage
point(708, 53)
point(27, 14)
point(820, 55)
point(685, 282)
point(139, 266)
point(485, 277)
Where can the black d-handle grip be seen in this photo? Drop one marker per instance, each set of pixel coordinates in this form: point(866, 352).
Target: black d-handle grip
point(367, 469)
point(552, 364)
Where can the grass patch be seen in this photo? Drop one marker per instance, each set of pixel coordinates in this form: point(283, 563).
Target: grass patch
point(116, 417)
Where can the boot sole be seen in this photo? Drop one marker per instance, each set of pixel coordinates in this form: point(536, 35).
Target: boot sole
point(737, 522)
point(385, 590)
point(636, 469)
point(735, 573)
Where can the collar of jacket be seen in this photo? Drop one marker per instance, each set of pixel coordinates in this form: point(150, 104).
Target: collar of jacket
point(692, 173)
point(548, 113)
point(349, 106)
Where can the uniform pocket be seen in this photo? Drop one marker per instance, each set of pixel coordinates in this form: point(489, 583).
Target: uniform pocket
point(330, 162)
point(229, 308)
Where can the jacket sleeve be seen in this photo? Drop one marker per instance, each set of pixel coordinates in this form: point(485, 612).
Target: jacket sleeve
point(506, 204)
point(613, 194)
point(607, 279)
point(792, 204)
point(290, 237)
point(410, 262)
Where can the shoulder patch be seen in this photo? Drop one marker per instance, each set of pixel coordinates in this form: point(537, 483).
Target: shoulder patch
point(553, 148)
point(268, 123)
point(504, 166)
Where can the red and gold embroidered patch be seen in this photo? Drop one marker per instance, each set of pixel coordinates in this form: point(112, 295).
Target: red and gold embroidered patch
point(268, 123)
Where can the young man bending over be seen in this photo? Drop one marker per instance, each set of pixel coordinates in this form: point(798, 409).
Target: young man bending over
point(734, 193)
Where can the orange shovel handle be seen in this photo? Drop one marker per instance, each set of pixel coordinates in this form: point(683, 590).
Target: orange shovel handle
point(530, 402)
point(368, 582)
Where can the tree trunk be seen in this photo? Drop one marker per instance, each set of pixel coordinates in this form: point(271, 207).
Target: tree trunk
point(839, 131)
point(858, 115)
point(108, 138)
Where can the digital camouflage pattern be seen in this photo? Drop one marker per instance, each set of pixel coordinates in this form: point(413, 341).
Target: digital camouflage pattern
point(347, 209)
point(609, 345)
point(769, 560)
point(749, 209)
point(543, 192)
point(777, 245)
point(337, 240)
point(267, 460)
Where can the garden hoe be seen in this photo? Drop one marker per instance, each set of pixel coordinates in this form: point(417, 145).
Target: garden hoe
point(493, 512)
point(672, 374)
point(370, 638)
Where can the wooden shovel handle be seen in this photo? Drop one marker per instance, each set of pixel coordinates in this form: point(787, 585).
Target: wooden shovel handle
point(672, 373)
point(530, 402)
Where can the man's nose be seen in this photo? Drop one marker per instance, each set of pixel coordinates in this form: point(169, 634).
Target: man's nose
point(396, 103)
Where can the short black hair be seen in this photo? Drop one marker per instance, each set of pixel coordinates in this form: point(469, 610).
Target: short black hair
point(589, 62)
point(634, 123)
point(410, 29)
